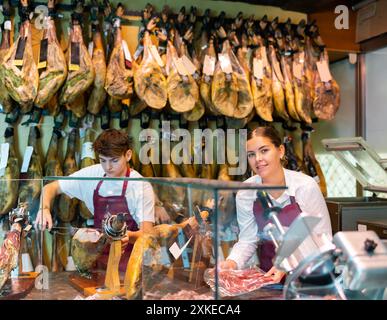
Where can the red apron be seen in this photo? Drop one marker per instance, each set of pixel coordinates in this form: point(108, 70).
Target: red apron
point(114, 205)
point(286, 216)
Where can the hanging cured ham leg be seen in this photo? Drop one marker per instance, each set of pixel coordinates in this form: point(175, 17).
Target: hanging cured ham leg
point(18, 70)
point(5, 99)
point(119, 77)
point(55, 72)
point(81, 70)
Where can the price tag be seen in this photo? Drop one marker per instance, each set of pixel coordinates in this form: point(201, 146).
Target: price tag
point(258, 68)
point(176, 251)
point(225, 62)
point(190, 67)
point(27, 159)
point(156, 56)
point(178, 63)
point(91, 48)
point(139, 50)
point(127, 54)
point(361, 227)
point(209, 65)
point(87, 151)
point(323, 71)
point(4, 157)
point(7, 25)
point(82, 132)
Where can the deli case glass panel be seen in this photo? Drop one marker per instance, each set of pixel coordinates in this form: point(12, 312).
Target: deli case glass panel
point(84, 254)
point(369, 169)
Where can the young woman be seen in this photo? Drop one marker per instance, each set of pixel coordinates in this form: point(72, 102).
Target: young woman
point(133, 197)
point(265, 153)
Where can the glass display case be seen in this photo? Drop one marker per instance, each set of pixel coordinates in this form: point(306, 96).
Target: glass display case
point(88, 256)
point(369, 169)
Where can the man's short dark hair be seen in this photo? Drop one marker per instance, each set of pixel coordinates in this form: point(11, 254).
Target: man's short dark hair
point(112, 143)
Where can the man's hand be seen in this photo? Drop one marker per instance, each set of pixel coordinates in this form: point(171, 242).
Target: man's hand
point(161, 215)
point(124, 242)
point(276, 274)
point(43, 219)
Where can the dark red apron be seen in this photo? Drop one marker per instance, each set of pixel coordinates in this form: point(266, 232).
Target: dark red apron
point(114, 205)
point(287, 215)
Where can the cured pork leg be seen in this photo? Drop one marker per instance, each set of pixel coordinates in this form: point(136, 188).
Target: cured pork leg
point(9, 183)
point(21, 83)
point(98, 93)
point(5, 98)
point(311, 164)
point(327, 94)
point(149, 82)
point(9, 253)
point(67, 206)
point(78, 79)
point(119, 79)
point(54, 75)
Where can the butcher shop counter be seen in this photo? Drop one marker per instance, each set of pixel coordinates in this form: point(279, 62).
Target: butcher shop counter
point(59, 288)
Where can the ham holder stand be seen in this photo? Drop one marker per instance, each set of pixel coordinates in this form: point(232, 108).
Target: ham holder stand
point(114, 226)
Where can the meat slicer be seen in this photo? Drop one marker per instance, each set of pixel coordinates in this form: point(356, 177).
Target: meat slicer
point(354, 266)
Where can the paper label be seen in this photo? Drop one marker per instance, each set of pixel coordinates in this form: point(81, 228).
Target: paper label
point(188, 64)
point(176, 251)
point(361, 227)
point(4, 157)
point(209, 65)
point(82, 132)
point(91, 48)
point(7, 25)
point(27, 159)
point(156, 56)
point(225, 63)
point(87, 151)
point(258, 68)
point(277, 70)
point(178, 63)
point(323, 71)
point(139, 50)
point(127, 54)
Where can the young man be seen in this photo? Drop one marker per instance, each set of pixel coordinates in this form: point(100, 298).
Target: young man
point(133, 197)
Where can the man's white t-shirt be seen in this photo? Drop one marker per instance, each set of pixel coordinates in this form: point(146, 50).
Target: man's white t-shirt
point(307, 194)
point(139, 194)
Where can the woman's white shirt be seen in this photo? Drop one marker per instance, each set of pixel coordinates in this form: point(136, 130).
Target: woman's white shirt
point(308, 196)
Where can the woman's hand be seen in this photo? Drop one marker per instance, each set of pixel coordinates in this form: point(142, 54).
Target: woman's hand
point(227, 265)
point(276, 274)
